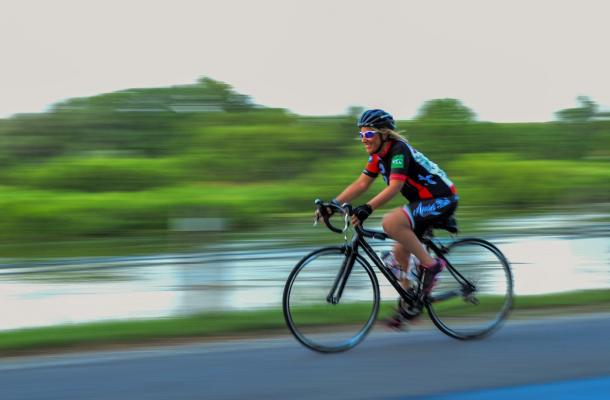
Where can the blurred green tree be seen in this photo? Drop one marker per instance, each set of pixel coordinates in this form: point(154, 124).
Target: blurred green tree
point(585, 112)
point(354, 111)
point(445, 110)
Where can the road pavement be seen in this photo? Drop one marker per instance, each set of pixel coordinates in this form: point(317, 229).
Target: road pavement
point(387, 365)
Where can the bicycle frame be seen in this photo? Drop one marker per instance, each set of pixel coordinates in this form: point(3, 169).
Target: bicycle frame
point(351, 252)
point(418, 299)
point(358, 241)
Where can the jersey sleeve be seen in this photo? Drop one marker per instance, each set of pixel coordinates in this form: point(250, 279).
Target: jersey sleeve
point(372, 166)
point(399, 163)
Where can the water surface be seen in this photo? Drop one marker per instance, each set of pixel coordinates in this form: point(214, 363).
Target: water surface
point(248, 275)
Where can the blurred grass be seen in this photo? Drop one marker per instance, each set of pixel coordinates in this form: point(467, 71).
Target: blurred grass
point(259, 322)
point(36, 214)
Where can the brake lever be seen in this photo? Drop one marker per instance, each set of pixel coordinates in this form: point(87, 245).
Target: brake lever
point(346, 218)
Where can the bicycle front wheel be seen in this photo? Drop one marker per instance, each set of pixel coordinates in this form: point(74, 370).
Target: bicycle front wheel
point(314, 318)
point(478, 287)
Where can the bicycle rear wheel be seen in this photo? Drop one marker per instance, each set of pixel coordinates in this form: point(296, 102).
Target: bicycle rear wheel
point(314, 319)
point(481, 282)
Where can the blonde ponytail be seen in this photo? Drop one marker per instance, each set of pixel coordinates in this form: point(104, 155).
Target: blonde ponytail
point(390, 134)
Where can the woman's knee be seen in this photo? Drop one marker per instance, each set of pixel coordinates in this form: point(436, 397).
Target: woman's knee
point(387, 223)
point(395, 220)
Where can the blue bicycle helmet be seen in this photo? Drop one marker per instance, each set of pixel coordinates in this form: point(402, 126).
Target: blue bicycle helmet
point(377, 119)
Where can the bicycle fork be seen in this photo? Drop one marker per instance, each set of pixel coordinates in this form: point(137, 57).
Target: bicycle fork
point(335, 293)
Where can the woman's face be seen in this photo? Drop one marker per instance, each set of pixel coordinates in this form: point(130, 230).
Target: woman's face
point(371, 144)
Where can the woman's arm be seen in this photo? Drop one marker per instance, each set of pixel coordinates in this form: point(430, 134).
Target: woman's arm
point(386, 194)
point(362, 212)
point(354, 190)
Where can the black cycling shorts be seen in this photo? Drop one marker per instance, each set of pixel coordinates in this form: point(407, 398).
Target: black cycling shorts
point(425, 212)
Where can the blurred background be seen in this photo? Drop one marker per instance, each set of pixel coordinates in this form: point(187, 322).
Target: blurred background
point(155, 202)
point(162, 161)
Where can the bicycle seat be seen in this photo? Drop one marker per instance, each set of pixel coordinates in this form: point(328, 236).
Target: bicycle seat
point(449, 224)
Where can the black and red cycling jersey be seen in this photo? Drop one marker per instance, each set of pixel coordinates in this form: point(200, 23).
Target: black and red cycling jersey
point(423, 178)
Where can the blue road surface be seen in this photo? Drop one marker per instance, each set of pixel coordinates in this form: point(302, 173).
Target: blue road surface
point(591, 389)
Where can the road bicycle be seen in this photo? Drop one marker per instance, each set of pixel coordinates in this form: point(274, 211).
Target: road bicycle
point(332, 296)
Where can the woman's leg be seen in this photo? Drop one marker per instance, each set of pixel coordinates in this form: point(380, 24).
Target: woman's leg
point(403, 257)
point(397, 225)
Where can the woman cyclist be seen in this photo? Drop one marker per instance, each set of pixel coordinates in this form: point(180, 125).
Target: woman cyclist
point(431, 195)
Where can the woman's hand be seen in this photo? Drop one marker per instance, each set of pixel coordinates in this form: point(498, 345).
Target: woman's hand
point(329, 210)
point(361, 213)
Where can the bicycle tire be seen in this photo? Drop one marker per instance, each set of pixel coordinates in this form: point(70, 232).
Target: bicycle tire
point(478, 314)
point(312, 319)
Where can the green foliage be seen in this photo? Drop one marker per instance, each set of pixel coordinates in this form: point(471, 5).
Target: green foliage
point(258, 152)
point(37, 214)
point(445, 110)
point(504, 180)
point(567, 141)
point(97, 174)
point(45, 214)
point(586, 110)
point(128, 162)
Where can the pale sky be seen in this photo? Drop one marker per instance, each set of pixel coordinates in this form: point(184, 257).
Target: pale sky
point(518, 60)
